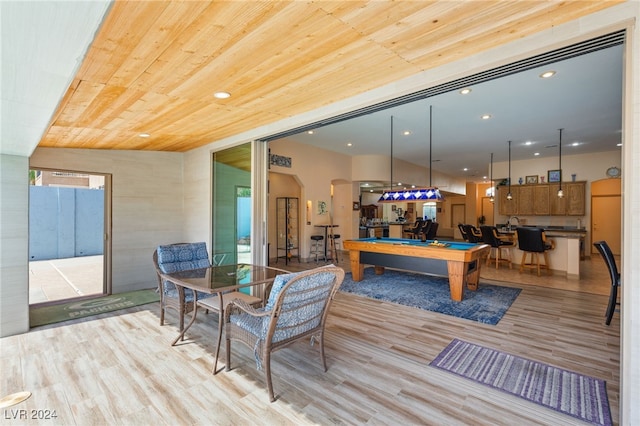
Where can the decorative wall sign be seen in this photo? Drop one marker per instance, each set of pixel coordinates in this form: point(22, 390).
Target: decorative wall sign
point(279, 160)
point(322, 207)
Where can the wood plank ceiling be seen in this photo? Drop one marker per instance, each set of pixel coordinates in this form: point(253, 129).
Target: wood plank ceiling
point(154, 66)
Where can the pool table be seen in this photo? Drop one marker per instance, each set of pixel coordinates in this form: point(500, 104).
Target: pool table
point(460, 261)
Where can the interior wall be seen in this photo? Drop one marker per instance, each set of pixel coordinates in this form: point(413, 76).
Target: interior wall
point(316, 169)
point(281, 185)
point(147, 204)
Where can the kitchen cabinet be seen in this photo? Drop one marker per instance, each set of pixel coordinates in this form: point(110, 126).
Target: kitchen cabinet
point(542, 200)
point(526, 204)
point(507, 207)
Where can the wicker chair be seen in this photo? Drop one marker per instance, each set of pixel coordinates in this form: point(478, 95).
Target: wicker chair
point(183, 257)
point(178, 257)
point(298, 306)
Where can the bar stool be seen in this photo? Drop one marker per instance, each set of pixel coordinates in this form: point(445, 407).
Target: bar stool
point(316, 248)
point(335, 238)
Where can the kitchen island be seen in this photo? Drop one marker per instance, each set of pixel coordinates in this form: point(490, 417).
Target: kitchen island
point(568, 252)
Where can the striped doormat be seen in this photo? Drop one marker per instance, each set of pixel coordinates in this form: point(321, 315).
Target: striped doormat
point(571, 393)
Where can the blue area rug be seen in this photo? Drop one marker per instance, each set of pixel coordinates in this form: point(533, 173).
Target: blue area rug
point(579, 396)
point(486, 305)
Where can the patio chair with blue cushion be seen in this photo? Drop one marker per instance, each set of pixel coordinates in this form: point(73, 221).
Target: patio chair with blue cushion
point(297, 307)
point(173, 258)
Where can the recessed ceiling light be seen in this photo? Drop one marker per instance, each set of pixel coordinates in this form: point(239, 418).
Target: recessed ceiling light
point(222, 95)
point(371, 190)
point(406, 133)
point(465, 91)
point(349, 144)
point(528, 143)
point(486, 116)
point(575, 144)
point(619, 144)
point(484, 177)
point(310, 132)
point(547, 74)
point(536, 153)
point(466, 169)
point(144, 135)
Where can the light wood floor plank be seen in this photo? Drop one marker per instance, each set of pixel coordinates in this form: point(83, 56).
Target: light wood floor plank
point(119, 368)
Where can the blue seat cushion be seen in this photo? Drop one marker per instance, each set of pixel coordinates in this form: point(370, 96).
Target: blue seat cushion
point(182, 257)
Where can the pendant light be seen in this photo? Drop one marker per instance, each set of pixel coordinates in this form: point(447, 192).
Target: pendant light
point(509, 196)
point(492, 197)
point(423, 194)
point(560, 193)
point(390, 195)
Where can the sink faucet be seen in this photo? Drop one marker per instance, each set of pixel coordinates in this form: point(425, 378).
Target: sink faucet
point(510, 221)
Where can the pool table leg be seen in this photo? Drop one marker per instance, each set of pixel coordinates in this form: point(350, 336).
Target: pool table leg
point(456, 279)
point(357, 268)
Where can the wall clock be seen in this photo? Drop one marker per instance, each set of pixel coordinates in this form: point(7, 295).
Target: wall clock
point(613, 172)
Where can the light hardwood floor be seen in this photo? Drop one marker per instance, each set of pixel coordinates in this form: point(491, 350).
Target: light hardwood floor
point(118, 368)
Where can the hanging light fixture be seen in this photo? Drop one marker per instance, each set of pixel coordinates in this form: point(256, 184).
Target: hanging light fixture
point(560, 192)
point(418, 194)
point(492, 197)
point(390, 195)
point(509, 196)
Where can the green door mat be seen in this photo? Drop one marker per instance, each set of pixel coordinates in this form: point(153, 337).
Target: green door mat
point(85, 308)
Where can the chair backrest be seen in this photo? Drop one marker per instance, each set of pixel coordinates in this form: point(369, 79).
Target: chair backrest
point(179, 257)
point(433, 230)
point(426, 225)
point(490, 235)
point(302, 304)
point(472, 233)
point(531, 239)
point(463, 232)
point(417, 227)
point(607, 255)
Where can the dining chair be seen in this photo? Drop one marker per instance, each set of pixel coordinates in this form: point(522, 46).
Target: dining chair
point(171, 258)
point(463, 232)
point(474, 234)
point(490, 236)
point(532, 242)
point(614, 274)
point(414, 231)
point(433, 231)
point(297, 308)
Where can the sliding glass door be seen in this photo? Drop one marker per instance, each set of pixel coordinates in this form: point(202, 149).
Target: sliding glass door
point(239, 210)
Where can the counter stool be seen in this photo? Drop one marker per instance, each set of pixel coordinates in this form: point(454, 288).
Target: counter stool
point(533, 241)
point(316, 247)
point(335, 239)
